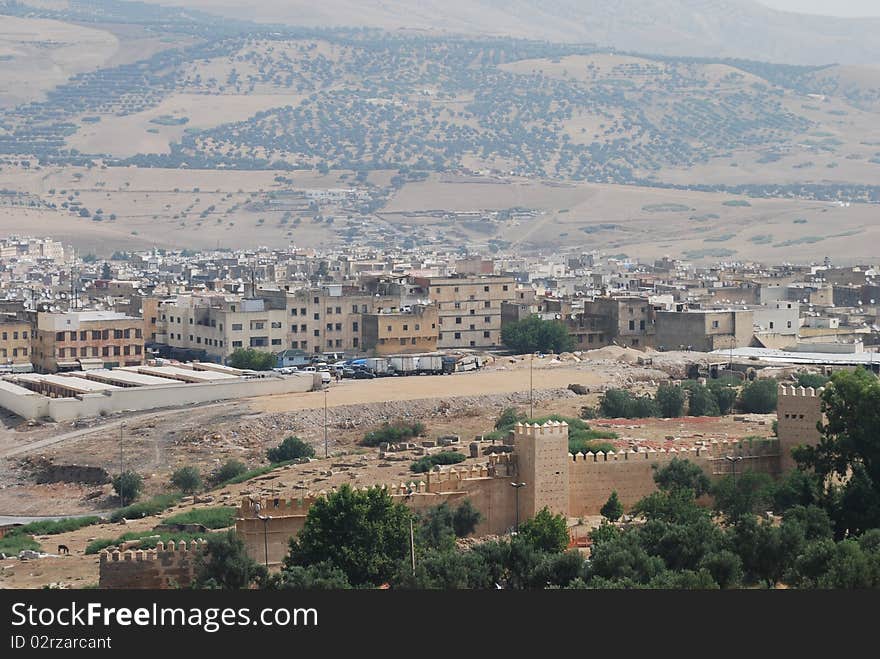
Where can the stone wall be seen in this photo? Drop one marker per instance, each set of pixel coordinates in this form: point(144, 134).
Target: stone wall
point(166, 566)
point(799, 412)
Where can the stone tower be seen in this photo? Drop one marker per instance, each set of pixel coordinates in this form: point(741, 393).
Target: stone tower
point(798, 413)
point(542, 464)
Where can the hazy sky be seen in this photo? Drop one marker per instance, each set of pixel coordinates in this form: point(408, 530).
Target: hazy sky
point(828, 7)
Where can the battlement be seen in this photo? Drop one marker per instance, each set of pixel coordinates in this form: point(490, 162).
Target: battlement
point(166, 566)
point(537, 430)
point(808, 392)
point(714, 450)
point(277, 506)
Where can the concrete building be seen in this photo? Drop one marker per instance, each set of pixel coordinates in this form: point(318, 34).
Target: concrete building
point(79, 340)
point(627, 321)
point(212, 327)
point(704, 329)
point(389, 333)
point(469, 308)
point(15, 344)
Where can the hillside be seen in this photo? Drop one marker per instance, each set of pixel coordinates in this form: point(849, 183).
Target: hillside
point(725, 28)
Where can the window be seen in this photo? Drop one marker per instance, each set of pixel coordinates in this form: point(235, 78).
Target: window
point(402, 341)
point(276, 325)
point(236, 344)
point(73, 336)
point(457, 305)
point(138, 334)
point(105, 351)
point(485, 289)
point(126, 350)
point(302, 312)
point(641, 324)
point(329, 327)
point(354, 327)
point(236, 327)
point(457, 335)
point(788, 324)
point(458, 321)
point(455, 289)
point(302, 328)
point(137, 350)
point(338, 309)
point(771, 324)
point(406, 328)
point(338, 327)
point(276, 342)
point(354, 308)
point(329, 310)
point(294, 328)
point(82, 336)
point(389, 328)
point(96, 335)
point(259, 341)
point(354, 342)
point(316, 316)
point(632, 324)
point(714, 324)
point(417, 327)
point(117, 334)
point(258, 324)
point(504, 288)
point(59, 336)
point(293, 312)
point(485, 335)
point(487, 304)
point(316, 300)
point(116, 351)
point(317, 332)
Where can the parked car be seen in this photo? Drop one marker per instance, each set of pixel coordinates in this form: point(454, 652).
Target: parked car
point(326, 378)
point(363, 374)
point(348, 372)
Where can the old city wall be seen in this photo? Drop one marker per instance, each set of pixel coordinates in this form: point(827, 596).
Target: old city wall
point(266, 540)
point(166, 566)
point(798, 413)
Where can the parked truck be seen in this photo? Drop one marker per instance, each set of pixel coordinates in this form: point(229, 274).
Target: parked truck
point(404, 364)
point(430, 364)
point(377, 365)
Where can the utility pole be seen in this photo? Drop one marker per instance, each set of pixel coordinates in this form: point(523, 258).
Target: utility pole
point(121, 466)
point(531, 387)
point(733, 460)
point(326, 450)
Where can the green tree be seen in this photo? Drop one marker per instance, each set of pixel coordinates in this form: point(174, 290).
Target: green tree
point(105, 271)
point(465, 519)
point(815, 380)
point(613, 509)
point(321, 576)
point(187, 479)
point(725, 567)
point(225, 565)
point(508, 418)
point(254, 360)
point(759, 397)
point(671, 399)
point(291, 448)
point(848, 448)
point(435, 530)
point(725, 397)
point(363, 533)
point(701, 401)
point(749, 493)
point(533, 334)
point(682, 474)
point(128, 486)
point(545, 531)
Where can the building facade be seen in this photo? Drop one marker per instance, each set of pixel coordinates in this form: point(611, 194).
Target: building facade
point(399, 332)
point(78, 340)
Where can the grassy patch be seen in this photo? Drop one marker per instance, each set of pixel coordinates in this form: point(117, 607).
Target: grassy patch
point(219, 517)
point(716, 252)
point(49, 527)
point(666, 208)
point(152, 506)
point(16, 541)
point(428, 462)
point(393, 432)
point(253, 473)
point(736, 203)
point(719, 239)
point(762, 239)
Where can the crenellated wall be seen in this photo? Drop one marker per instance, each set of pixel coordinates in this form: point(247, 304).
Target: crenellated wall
point(166, 566)
point(798, 413)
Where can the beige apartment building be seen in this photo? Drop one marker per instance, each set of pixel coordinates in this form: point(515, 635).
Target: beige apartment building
point(212, 327)
point(393, 333)
point(15, 343)
point(468, 308)
point(82, 340)
point(704, 330)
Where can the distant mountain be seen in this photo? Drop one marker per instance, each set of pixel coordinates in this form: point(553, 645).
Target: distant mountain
point(726, 28)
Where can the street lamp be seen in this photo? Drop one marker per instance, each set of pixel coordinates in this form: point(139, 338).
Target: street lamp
point(265, 518)
point(516, 487)
point(326, 450)
point(733, 460)
point(121, 466)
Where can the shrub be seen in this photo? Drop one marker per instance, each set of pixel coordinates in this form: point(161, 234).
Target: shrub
point(218, 517)
point(229, 470)
point(533, 334)
point(701, 402)
point(759, 397)
point(393, 432)
point(545, 531)
point(128, 486)
point(725, 396)
point(187, 479)
point(291, 448)
point(814, 380)
point(15, 541)
point(670, 400)
point(50, 527)
point(509, 418)
point(250, 359)
point(428, 462)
